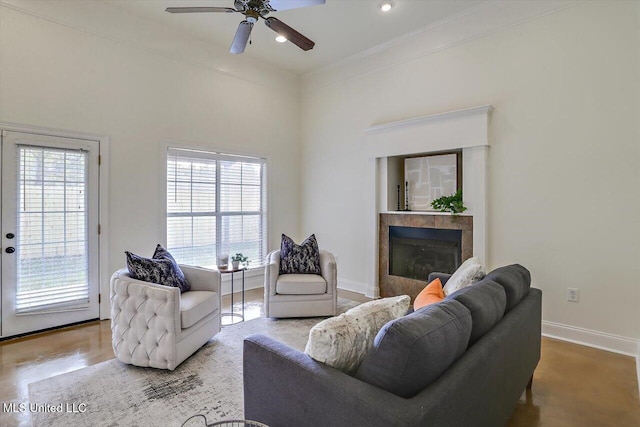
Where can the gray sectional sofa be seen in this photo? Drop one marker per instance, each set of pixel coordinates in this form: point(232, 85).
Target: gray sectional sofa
point(461, 362)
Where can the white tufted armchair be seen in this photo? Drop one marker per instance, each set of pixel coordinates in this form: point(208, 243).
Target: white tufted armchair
point(300, 295)
point(154, 325)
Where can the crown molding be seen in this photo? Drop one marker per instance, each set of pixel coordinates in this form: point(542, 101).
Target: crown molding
point(471, 24)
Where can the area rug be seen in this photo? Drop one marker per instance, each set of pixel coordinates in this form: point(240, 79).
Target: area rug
point(209, 383)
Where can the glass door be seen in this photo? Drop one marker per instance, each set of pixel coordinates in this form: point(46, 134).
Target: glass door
point(49, 232)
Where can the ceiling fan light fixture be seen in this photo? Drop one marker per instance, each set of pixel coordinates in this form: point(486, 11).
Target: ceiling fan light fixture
point(281, 39)
point(252, 11)
point(387, 5)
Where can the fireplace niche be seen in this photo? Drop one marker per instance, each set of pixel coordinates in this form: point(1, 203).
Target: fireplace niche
point(414, 245)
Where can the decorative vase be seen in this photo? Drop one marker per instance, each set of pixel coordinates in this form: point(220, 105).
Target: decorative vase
point(235, 264)
point(222, 261)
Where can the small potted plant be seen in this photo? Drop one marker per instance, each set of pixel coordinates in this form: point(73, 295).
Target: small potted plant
point(237, 259)
point(452, 204)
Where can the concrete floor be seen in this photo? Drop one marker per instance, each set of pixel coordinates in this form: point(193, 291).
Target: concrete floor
point(573, 385)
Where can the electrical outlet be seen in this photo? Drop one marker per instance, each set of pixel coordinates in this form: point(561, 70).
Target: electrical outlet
point(573, 295)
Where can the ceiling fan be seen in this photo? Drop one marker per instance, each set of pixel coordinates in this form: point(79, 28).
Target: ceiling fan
point(254, 9)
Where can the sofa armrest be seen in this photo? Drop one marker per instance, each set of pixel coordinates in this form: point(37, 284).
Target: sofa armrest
point(442, 276)
point(144, 316)
point(311, 393)
point(329, 270)
point(202, 279)
point(128, 294)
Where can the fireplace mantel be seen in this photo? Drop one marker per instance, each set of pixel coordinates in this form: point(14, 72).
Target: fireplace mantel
point(464, 129)
point(452, 130)
point(481, 111)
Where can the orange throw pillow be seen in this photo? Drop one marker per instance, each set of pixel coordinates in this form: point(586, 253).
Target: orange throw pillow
point(431, 294)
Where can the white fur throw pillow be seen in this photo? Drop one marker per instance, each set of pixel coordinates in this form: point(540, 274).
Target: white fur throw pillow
point(344, 340)
point(470, 271)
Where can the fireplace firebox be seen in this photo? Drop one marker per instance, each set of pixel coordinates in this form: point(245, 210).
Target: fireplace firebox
point(414, 253)
point(413, 244)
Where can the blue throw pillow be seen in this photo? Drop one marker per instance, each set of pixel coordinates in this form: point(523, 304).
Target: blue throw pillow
point(161, 269)
point(299, 259)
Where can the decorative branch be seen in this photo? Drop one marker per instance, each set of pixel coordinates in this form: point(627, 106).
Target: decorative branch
point(406, 196)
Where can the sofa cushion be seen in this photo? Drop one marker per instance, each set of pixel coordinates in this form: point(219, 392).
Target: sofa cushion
point(431, 294)
point(411, 352)
point(444, 277)
point(343, 341)
point(486, 300)
point(301, 284)
point(469, 272)
point(516, 281)
point(299, 259)
point(195, 306)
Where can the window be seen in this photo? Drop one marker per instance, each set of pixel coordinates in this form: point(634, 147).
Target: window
point(52, 267)
point(216, 204)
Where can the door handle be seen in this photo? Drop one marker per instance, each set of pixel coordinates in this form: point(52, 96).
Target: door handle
point(10, 250)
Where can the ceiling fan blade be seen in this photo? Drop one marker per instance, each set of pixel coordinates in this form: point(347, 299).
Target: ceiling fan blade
point(293, 4)
point(241, 38)
point(199, 9)
point(292, 35)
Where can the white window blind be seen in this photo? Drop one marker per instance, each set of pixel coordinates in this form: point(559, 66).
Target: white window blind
point(52, 229)
point(215, 205)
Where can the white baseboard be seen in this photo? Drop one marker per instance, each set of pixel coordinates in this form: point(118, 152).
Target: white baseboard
point(601, 340)
point(638, 366)
point(352, 286)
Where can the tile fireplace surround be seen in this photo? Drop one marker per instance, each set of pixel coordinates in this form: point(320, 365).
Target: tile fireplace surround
point(395, 285)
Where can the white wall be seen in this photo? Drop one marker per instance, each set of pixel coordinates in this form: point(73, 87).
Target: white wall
point(56, 76)
point(564, 156)
point(564, 176)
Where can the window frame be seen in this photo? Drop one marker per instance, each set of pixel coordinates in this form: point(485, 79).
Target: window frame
point(220, 155)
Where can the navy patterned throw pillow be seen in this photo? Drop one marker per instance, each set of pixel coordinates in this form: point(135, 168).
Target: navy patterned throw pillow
point(161, 269)
point(162, 253)
point(299, 259)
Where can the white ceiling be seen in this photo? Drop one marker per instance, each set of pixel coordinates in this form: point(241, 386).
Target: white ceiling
point(352, 37)
point(340, 28)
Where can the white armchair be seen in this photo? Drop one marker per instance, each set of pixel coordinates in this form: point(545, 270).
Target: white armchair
point(154, 325)
point(300, 295)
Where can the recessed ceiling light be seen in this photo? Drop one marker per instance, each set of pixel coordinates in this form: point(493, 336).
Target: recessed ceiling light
point(386, 6)
point(281, 39)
